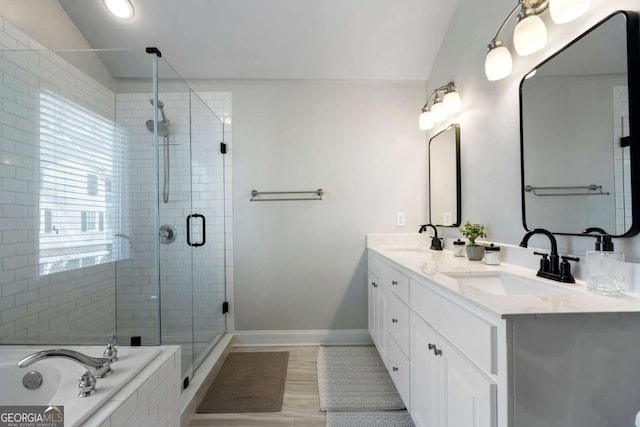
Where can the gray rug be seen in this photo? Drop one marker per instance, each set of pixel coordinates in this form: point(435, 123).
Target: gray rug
point(248, 382)
point(369, 419)
point(354, 379)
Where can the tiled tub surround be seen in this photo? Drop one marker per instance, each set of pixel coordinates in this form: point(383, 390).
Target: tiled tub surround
point(506, 359)
point(143, 388)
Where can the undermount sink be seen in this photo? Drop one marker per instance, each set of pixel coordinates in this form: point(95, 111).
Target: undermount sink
point(502, 283)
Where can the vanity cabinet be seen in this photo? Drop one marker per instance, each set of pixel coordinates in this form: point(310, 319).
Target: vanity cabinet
point(440, 356)
point(464, 354)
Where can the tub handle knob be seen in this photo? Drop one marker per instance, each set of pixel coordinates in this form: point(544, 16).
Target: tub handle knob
point(111, 353)
point(87, 384)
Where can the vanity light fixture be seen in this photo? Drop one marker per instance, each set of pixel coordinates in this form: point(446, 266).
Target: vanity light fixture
point(530, 32)
point(446, 102)
point(122, 9)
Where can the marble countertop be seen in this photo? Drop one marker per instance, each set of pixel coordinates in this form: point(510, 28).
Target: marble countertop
point(566, 298)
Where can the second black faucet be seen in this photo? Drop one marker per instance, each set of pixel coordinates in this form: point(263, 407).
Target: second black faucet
point(551, 268)
point(436, 242)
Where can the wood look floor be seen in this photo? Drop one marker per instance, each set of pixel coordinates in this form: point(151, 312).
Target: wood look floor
point(300, 406)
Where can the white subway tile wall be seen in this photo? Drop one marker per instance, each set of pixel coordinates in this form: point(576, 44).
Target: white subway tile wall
point(622, 161)
point(74, 306)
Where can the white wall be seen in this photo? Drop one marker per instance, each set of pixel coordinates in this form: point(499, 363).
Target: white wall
point(490, 148)
point(46, 23)
point(301, 265)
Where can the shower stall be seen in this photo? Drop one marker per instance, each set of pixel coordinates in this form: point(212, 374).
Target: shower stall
point(113, 202)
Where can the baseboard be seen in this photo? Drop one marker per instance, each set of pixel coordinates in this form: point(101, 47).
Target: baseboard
point(303, 337)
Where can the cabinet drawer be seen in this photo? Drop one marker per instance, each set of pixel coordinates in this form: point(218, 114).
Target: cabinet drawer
point(390, 276)
point(472, 335)
point(398, 323)
point(399, 371)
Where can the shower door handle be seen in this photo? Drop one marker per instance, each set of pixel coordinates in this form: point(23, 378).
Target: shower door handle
point(204, 230)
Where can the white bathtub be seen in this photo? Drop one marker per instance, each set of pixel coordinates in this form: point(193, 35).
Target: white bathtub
point(60, 379)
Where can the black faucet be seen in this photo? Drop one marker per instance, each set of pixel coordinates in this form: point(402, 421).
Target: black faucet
point(551, 268)
point(436, 243)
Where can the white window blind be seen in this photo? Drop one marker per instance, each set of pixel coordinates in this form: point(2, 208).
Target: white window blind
point(81, 165)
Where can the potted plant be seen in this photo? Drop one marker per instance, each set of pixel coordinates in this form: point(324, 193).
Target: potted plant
point(472, 232)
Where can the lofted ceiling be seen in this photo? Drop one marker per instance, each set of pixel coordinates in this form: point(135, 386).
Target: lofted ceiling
point(277, 39)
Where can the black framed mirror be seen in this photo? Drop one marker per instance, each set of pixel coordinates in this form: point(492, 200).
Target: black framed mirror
point(578, 121)
point(444, 177)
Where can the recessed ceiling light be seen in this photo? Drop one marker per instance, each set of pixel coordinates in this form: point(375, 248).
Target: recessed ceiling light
point(122, 9)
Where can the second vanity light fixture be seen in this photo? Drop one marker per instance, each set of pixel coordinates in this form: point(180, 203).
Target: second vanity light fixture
point(530, 33)
point(446, 102)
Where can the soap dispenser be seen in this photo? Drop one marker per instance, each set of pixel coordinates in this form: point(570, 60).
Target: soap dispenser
point(605, 268)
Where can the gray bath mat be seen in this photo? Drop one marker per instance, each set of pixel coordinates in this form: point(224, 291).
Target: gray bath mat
point(354, 379)
point(369, 419)
point(248, 382)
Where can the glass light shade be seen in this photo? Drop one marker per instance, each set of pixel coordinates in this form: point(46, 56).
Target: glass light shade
point(122, 9)
point(452, 103)
point(530, 35)
point(498, 63)
point(438, 112)
point(563, 11)
point(426, 121)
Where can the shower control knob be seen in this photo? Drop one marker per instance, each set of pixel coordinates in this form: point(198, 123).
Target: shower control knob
point(167, 234)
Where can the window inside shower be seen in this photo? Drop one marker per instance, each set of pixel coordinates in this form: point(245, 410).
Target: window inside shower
point(80, 158)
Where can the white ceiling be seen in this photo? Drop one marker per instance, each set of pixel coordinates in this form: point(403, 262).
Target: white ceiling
point(277, 39)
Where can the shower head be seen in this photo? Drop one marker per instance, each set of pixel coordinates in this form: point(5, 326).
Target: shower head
point(161, 108)
point(163, 125)
point(163, 128)
point(160, 103)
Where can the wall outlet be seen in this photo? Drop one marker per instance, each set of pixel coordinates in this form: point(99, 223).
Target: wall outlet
point(447, 218)
point(401, 219)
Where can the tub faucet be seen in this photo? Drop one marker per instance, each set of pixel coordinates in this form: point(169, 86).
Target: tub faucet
point(551, 268)
point(100, 367)
point(436, 242)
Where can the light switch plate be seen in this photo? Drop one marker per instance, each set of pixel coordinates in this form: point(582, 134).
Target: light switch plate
point(401, 219)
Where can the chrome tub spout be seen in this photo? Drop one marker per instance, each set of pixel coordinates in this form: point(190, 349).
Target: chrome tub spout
point(98, 365)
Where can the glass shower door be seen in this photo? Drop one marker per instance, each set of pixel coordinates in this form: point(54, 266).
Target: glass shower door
point(174, 198)
point(207, 168)
point(191, 220)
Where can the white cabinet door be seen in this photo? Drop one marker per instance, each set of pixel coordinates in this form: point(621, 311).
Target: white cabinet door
point(400, 371)
point(424, 374)
point(467, 397)
point(381, 322)
point(371, 295)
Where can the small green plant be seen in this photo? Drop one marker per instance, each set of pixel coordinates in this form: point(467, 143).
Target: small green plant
point(472, 232)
